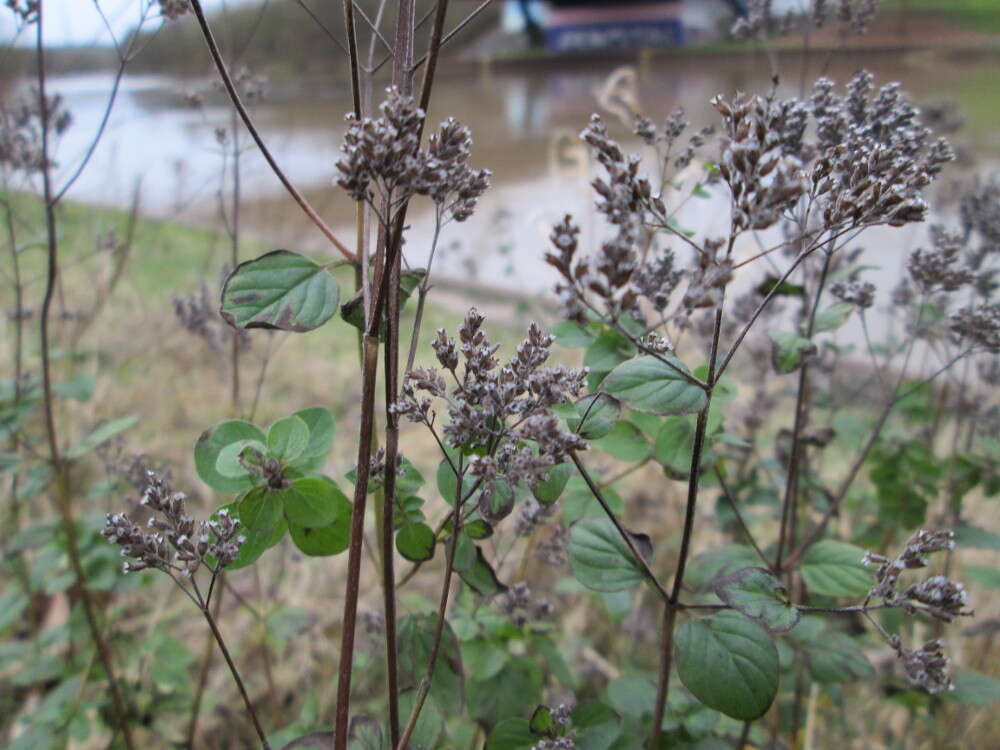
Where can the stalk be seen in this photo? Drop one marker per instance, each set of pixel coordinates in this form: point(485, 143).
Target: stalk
point(669, 615)
point(63, 500)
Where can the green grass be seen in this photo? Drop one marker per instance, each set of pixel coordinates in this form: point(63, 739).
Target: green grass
point(982, 15)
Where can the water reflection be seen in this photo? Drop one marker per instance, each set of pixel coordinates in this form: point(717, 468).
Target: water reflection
point(525, 120)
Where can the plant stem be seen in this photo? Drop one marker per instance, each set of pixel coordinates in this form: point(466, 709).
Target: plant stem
point(227, 81)
point(236, 676)
point(425, 684)
point(669, 616)
point(58, 466)
point(203, 672)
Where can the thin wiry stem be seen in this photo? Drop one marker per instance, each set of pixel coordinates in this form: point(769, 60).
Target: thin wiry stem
point(739, 516)
point(227, 81)
point(60, 468)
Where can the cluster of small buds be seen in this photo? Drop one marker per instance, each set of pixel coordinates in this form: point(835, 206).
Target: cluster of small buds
point(198, 313)
point(500, 408)
point(21, 125)
point(936, 596)
point(939, 269)
point(192, 543)
point(26, 11)
point(927, 668)
point(673, 127)
point(942, 598)
point(531, 515)
point(860, 294)
point(174, 9)
point(709, 278)
point(658, 278)
point(517, 602)
point(875, 157)
point(455, 187)
point(376, 465)
point(252, 86)
point(384, 155)
point(979, 325)
point(554, 550)
point(134, 468)
point(853, 15)
point(980, 211)
point(763, 178)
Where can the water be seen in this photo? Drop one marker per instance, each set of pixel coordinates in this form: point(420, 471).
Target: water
point(525, 120)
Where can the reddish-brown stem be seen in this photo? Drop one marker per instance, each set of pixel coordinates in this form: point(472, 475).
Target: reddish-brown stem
point(227, 81)
point(59, 467)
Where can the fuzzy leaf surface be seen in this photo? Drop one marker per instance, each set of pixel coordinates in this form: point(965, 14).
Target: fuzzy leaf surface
point(649, 385)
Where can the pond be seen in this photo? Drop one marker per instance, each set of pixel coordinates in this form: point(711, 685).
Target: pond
point(525, 120)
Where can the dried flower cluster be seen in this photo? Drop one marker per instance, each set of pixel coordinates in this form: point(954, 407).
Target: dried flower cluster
point(518, 603)
point(763, 174)
point(174, 9)
point(852, 15)
point(936, 596)
point(927, 667)
point(177, 544)
point(21, 126)
point(198, 313)
point(939, 269)
point(504, 411)
point(384, 156)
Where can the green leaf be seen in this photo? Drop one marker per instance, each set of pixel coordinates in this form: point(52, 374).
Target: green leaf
point(78, 388)
point(511, 734)
point(542, 723)
point(597, 415)
point(100, 435)
point(581, 503)
point(717, 562)
point(287, 439)
point(365, 734)
point(415, 642)
point(497, 504)
point(831, 656)
point(625, 443)
point(321, 431)
point(415, 542)
point(785, 288)
point(331, 539)
point(279, 290)
point(835, 569)
point(608, 351)
point(478, 529)
point(975, 688)
point(572, 335)
point(968, 536)
point(8, 461)
point(311, 501)
point(789, 352)
point(648, 385)
point(600, 558)
point(261, 522)
point(447, 481)
point(832, 317)
point(548, 492)
point(729, 663)
point(983, 575)
point(480, 576)
point(760, 596)
point(228, 463)
point(484, 658)
point(674, 446)
point(633, 696)
point(512, 692)
point(598, 726)
point(430, 725)
point(211, 443)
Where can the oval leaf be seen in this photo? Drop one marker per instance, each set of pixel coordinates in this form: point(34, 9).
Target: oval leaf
point(211, 443)
point(287, 438)
point(729, 663)
point(835, 569)
point(760, 596)
point(415, 542)
point(311, 501)
point(279, 290)
point(600, 558)
point(597, 415)
point(649, 385)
